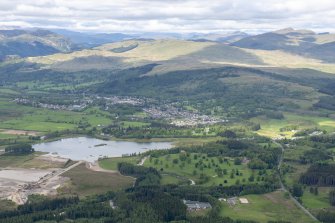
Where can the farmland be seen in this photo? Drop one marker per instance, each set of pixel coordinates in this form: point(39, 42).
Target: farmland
point(264, 208)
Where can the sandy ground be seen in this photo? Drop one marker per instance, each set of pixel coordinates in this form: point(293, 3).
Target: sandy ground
point(13, 182)
point(18, 132)
point(22, 175)
point(17, 184)
point(52, 158)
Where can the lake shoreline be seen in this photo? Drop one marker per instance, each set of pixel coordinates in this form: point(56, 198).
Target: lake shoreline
point(92, 149)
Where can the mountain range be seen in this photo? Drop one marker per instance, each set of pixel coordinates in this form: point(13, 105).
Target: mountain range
point(18, 43)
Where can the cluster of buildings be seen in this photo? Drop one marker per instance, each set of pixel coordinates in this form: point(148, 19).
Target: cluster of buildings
point(176, 115)
point(77, 106)
point(232, 201)
point(113, 100)
point(181, 117)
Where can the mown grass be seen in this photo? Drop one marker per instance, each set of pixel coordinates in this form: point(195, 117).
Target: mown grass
point(187, 169)
point(268, 207)
point(112, 163)
point(170, 179)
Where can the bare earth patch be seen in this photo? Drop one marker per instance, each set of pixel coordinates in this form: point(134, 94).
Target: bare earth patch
point(17, 184)
point(19, 132)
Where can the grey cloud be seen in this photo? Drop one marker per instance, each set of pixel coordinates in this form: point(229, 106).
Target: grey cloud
point(169, 15)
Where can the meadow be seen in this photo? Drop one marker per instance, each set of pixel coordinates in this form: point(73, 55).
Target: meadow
point(273, 206)
point(112, 163)
point(287, 127)
point(317, 202)
point(20, 117)
point(85, 182)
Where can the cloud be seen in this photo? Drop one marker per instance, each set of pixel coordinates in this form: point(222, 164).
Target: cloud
point(169, 15)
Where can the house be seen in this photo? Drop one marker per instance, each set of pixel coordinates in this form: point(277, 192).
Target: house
point(244, 200)
point(196, 205)
point(232, 201)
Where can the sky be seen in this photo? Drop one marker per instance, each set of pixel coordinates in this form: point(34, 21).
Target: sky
point(182, 16)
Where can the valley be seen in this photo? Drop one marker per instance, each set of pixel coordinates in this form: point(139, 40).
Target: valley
point(135, 126)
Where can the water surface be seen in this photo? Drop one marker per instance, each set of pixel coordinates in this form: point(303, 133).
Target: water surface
point(91, 149)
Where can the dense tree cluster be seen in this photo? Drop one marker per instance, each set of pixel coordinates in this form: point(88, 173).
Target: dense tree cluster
point(19, 149)
point(332, 197)
point(326, 216)
point(319, 174)
point(314, 156)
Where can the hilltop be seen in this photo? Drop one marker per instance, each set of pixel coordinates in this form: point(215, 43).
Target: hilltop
point(302, 42)
point(24, 43)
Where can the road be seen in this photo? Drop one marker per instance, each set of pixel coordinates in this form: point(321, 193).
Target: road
point(283, 188)
point(59, 172)
point(141, 163)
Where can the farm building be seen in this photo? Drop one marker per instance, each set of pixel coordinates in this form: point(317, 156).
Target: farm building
point(196, 205)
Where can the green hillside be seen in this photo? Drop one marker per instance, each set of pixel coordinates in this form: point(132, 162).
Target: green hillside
point(22, 43)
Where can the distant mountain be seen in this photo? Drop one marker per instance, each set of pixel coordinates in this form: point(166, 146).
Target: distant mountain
point(24, 43)
point(301, 42)
point(86, 39)
point(325, 52)
point(266, 41)
point(290, 40)
point(220, 37)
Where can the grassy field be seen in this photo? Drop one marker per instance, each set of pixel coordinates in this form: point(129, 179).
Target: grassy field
point(291, 123)
point(293, 177)
point(294, 154)
point(87, 182)
point(316, 202)
point(170, 179)
point(6, 205)
point(8, 91)
point(28, 161)
point(111, 163)
point(16, 161)
point(9, 136)
point(127, 124)
point(268, 207)
point(171, 164)
point(20, 117)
